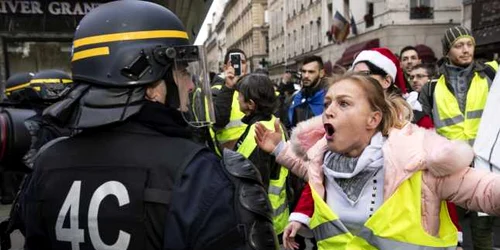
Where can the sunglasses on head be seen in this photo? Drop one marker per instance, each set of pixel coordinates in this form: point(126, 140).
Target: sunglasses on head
point(370, 73)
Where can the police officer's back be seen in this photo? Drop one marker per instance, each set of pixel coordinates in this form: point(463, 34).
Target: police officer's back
point(132, 179)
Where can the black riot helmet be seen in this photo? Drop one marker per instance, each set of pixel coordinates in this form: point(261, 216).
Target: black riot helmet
point(16, 85)
point(120, 43)
point(120, 48)
point(48, 86)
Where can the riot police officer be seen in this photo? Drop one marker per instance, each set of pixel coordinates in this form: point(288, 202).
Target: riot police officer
point(45, 88)
point(25, 132)
point(132, 179)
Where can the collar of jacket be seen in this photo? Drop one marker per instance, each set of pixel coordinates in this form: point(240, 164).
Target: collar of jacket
point(313, 90)
point(163, 119)
point(255, 117)
point(316, 99)
point(476, 67)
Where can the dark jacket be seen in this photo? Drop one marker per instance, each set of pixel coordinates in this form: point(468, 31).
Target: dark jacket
point(222, 97)
point(286, 94)
point(265, 162)
point(307, 103)
point(426, 96)
point(184, 208)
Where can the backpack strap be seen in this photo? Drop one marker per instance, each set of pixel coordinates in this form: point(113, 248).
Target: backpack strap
point(433, 88)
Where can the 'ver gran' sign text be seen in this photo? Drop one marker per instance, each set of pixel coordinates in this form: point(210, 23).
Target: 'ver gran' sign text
point(72, 8)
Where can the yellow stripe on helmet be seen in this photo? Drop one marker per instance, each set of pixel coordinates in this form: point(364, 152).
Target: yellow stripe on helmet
point(52, 80)
point(24, 85)
point(39, 81)
point(101, 51)
point(129, 36)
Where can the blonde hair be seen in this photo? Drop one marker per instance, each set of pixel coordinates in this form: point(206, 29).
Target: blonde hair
point(396, 112)
point(328, 81)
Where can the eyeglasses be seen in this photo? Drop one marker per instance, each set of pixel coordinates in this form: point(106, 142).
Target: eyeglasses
point(418, 76)
point(369, 73)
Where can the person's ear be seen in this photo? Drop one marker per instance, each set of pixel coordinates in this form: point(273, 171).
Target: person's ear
point(321, 72)
point(251, 105)
point(374, 120)
point(152, 93)
point(387, 82)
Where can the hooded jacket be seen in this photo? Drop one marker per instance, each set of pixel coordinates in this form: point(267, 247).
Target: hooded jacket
point(445, 166)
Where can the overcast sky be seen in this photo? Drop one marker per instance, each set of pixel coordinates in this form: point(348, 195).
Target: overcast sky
point(202, 35)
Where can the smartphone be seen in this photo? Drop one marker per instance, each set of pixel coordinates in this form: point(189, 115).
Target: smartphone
point(235, 59)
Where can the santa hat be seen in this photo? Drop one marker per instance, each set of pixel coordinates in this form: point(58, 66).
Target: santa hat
point(386, 60)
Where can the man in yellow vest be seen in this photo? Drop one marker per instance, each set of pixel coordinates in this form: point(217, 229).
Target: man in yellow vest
point(258, 102)
point(456, 102)
point(228, 126)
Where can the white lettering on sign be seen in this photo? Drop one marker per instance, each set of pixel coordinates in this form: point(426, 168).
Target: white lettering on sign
point(35, 7)
point(54, 8)
point(78, 10)
point(25, 7)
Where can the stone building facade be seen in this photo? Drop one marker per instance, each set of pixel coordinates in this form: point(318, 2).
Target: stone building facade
point(247, 29)
point(301, 28)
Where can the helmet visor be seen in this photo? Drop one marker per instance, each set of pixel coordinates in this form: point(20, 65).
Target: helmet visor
point(193, 82)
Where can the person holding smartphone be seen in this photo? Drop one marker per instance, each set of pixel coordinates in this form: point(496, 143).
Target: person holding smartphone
point(228, 126)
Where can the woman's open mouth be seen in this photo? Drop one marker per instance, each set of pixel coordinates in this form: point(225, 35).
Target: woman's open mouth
point(330, 130)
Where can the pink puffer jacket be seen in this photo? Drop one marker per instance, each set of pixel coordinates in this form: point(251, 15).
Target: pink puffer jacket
point(445, 166)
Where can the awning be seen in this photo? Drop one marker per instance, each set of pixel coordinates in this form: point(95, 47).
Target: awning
point(426, 54)
point(351, 51)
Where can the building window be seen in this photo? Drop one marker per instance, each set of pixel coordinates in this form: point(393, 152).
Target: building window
point(267, 44)
point(303, 40)
point(318, 25)
point(421, 9)
point(369, 16)
point(313, 35)
point(289, 42)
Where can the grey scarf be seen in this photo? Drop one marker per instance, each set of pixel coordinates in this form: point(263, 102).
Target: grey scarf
point(351, 174)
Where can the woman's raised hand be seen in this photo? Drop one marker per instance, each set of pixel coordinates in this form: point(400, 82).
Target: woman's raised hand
point(266, 139)
point(289, 235)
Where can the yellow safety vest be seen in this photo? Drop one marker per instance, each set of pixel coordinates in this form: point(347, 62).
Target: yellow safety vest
point(277, 188)
point(449, 121)
point(235, 128)
point(397, 224)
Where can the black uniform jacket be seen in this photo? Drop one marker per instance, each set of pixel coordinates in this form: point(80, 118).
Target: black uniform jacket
point(113, 185)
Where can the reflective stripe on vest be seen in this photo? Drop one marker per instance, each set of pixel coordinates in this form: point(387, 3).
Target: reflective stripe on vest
point(235, 128)
point(279, 201)
point(397, 224)
point(449, 120)
point(277, 188)
point(329, 229)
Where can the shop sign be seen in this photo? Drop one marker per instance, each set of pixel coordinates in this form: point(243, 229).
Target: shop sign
point(46, 7)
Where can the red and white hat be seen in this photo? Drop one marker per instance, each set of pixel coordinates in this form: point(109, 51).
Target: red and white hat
point(386, 60)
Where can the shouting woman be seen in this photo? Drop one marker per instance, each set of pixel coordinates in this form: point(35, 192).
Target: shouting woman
point(377, 181)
